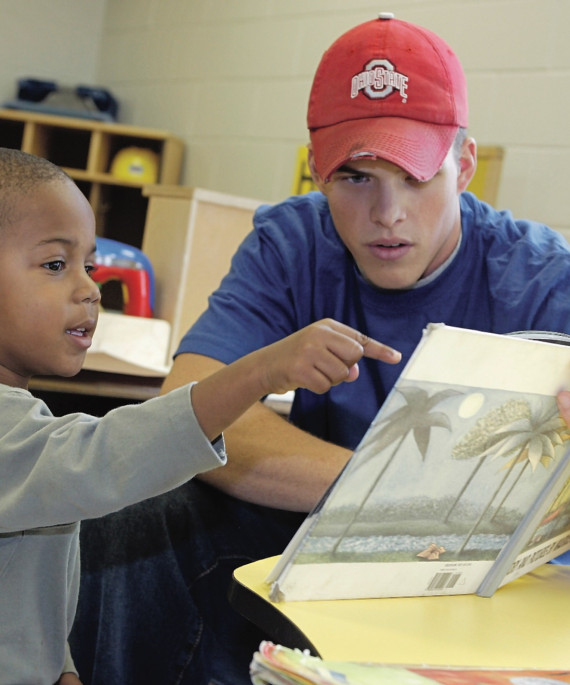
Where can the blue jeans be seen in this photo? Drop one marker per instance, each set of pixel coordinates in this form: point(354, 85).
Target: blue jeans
point(153, 604)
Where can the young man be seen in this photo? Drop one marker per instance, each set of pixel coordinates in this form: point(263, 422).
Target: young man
point(390, 243)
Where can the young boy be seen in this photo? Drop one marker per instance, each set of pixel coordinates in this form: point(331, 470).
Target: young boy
point(55, 472)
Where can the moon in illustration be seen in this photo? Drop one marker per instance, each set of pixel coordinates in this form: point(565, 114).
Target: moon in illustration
point(471, 405)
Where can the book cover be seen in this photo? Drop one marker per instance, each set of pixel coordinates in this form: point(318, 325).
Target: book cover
point(543, 534)
point(277, 665)
point(457, 466)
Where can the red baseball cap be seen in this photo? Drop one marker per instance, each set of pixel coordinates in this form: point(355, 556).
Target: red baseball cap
point(387, 89)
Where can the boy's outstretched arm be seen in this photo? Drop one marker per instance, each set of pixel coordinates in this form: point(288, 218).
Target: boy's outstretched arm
point(317, 357)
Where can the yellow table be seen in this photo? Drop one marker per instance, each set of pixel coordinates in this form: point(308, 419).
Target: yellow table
point(526, 624)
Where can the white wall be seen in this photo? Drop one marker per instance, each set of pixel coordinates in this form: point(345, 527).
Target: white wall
point(232, 78)
point(55, 40)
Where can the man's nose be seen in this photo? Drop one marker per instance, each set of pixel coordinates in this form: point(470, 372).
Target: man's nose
point(387, 209)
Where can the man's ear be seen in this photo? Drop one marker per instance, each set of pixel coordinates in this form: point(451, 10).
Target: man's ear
point(467, 164)
point(317, 179)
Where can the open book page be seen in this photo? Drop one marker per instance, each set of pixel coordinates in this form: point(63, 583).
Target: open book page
point(457, 455)
point(278, 665)
point(133, 345)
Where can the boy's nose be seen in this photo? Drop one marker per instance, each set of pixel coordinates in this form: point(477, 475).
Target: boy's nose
point(89, 290)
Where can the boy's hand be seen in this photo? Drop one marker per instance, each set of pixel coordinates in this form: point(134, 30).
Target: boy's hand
point(317, 357)
point(68, 679)
point(321, 355)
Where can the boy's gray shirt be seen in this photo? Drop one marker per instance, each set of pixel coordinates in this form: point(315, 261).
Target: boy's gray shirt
point(55, 472)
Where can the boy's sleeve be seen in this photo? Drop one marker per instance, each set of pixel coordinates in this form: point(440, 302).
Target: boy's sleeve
point(69, 666)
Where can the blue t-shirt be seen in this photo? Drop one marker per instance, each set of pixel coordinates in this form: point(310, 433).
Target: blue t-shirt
point(293, 269)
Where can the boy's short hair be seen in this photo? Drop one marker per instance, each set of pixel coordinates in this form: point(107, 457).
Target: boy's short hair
point(20, 173)
point(391, 90)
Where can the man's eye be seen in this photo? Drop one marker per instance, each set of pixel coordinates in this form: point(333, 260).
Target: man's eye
point(410, 180)
point(56, 265)
point(356, 179)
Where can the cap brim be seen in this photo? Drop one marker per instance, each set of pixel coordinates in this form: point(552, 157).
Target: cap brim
point(417, 147)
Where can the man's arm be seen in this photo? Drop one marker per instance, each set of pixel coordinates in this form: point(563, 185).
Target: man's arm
point(271, 462)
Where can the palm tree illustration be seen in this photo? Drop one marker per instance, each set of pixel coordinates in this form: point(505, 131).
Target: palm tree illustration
point(539, 449)
point(482, 439)
point(415, 417)
point(530, 440)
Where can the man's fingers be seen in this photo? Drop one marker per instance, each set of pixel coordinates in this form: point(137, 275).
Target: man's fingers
point(564, 405)
point(377, 350)
point(370, 348)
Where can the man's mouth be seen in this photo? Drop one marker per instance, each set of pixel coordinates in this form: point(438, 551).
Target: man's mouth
point(390, 251)
point(80, 332)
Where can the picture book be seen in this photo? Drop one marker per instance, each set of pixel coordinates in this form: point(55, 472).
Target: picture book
point(461, 483)
point(277, 665)
point(133, 345)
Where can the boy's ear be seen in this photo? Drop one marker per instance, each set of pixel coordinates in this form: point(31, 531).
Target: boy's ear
point(467, 163)
point(317, 179)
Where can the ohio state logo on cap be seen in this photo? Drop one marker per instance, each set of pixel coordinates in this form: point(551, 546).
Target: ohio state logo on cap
point(378, 80)
point(390, 90)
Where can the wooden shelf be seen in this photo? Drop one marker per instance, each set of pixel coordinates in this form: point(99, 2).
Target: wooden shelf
point(85, 149)
point(204, 230)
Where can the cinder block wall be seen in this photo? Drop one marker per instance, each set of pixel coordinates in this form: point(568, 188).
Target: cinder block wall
point(55, 40)
point(232, 78)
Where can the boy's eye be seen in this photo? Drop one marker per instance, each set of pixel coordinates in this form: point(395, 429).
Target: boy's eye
point(90, 269)
point(56, 265)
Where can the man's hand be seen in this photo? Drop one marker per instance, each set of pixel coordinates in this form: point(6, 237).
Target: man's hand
point(564, 405)
point(320, 356)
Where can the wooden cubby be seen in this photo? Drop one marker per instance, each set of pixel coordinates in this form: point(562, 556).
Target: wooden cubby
point(204, 230)
point(85, 149)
